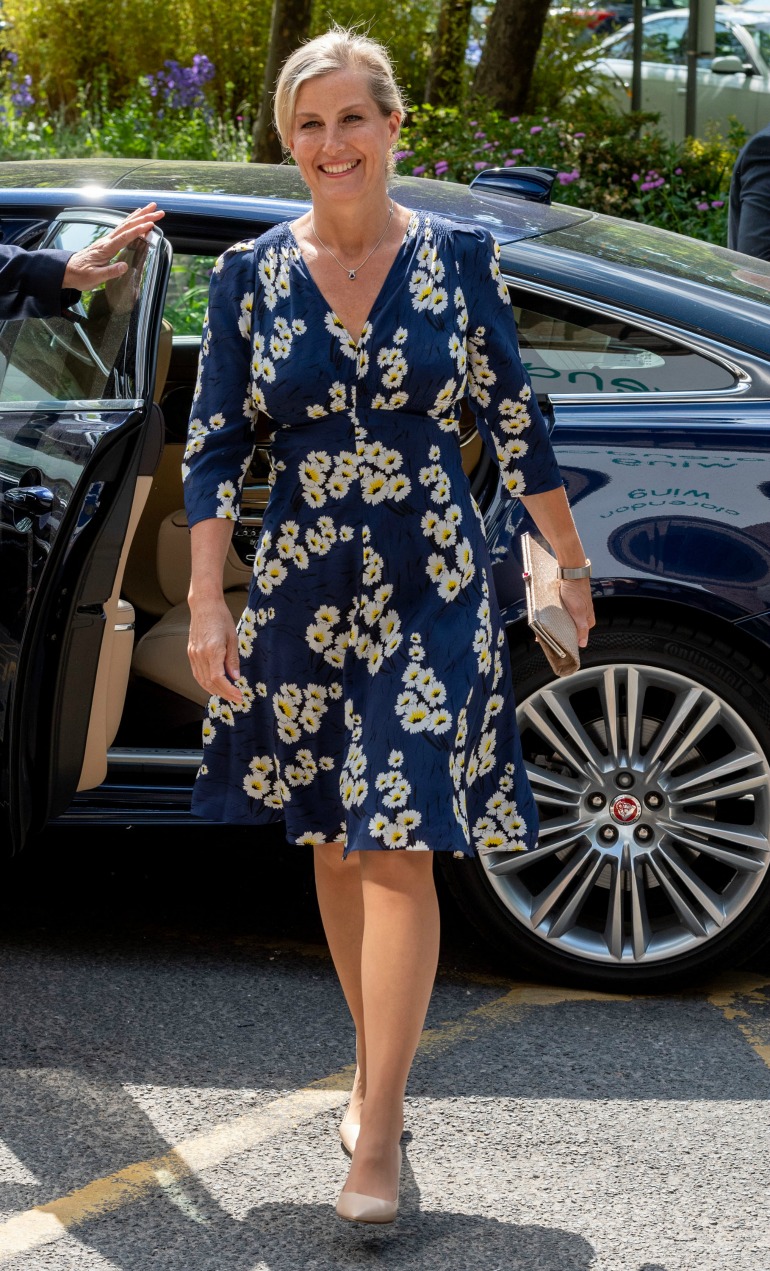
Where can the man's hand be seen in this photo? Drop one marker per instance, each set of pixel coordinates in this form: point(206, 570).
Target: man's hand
point(91, 266)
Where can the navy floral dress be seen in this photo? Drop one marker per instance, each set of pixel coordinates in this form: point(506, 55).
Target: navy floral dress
point(377, 700)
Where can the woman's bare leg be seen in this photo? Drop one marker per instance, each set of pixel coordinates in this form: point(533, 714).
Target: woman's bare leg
point(399, 954)
point(341, 901)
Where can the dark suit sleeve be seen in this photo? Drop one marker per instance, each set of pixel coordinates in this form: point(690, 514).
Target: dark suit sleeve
point(31, 283)
point(750, 198)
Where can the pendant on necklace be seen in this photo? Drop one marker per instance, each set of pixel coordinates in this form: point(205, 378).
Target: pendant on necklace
point(352, 275)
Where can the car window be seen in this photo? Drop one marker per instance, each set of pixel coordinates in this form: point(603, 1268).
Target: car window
point(762, 37)
point(726, 42)
point(188, 291)
point(570, 349)
point(88, 354)
point(662, 41)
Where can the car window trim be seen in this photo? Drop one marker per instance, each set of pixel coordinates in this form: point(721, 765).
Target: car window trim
point(743, 380)
point(100, 406)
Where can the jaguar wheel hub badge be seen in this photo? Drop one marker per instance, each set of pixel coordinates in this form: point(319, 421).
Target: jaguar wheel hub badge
point(625, 809)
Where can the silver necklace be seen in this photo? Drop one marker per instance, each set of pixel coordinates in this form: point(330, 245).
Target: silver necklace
point(351, 273)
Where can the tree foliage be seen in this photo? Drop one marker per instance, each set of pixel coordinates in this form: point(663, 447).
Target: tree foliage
point(71, 47)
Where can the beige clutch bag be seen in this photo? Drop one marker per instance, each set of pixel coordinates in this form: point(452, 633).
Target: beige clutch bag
point(546, 614)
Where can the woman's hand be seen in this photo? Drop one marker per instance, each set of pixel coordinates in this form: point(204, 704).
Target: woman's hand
point(576, 598)
point(213, 648)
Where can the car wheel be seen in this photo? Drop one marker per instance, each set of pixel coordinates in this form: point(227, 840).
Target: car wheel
point(651, 773)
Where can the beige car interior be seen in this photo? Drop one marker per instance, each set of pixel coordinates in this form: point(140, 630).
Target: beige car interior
point(153, 574)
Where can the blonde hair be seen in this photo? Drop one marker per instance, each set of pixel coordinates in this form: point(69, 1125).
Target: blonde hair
point(336, 50)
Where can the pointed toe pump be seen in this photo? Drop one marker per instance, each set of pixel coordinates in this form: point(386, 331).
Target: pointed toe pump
point(355, 1207)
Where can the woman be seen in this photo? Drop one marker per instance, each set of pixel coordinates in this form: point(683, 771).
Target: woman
point(371, 704)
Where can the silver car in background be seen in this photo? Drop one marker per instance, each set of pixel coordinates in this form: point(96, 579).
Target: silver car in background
point(735, 82)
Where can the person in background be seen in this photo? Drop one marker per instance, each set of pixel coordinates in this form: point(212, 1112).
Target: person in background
point(42, 284)
point(749, 219)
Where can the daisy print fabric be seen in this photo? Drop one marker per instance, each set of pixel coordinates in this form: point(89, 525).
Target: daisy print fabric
point(377, 703)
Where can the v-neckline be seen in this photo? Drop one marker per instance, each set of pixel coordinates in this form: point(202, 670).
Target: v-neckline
point(414, 217)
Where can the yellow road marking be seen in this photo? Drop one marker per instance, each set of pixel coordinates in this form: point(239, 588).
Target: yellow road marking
point(731, 990)
point(46, 1224)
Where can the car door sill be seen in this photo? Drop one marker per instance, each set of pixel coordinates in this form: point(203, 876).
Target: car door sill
point(144, 757)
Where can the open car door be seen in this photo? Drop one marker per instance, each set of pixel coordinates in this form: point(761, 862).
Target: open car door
point(79, 441)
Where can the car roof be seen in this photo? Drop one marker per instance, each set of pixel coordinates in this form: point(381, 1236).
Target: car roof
point(229, 188)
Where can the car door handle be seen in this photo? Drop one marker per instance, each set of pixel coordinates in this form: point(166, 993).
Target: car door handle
point(35, 500)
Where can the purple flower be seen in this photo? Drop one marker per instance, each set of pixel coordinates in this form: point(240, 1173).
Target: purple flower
point(566, 178)
point(535, 129)
point(677, 172)
point(510, 163)
point(19, 87)
point(480, 165)
point(489, 145)
point(651, 185)
point(441, 167)
point(578, 134)
point(718, 203)
point(21, 95)
point(517, 152)
point(418, 171)
point(702, 207)
point(398, 155)
point(635, 176)
point(514, 119)
point(182, 86)
point(478, 135)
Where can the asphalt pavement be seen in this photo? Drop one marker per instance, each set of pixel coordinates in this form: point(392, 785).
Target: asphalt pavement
point(175, 1055)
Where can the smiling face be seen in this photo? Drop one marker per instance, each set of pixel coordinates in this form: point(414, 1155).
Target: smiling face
point(340, 139)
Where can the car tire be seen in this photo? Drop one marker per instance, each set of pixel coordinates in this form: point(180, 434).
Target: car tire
point(651, 769)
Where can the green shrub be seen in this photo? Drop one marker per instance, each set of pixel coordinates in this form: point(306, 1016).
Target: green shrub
point(135, 129)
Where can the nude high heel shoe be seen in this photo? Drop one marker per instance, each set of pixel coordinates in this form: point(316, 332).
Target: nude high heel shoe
point(349, 1132)
point(355, 1207)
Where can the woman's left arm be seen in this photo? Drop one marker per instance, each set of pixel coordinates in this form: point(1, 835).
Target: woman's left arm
point(509, 418)
point(551, 513)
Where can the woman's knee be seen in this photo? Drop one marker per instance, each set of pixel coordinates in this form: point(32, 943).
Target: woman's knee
point(397, 870)
point(328, 857)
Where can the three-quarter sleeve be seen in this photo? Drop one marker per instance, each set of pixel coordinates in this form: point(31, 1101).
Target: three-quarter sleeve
point(220, 439)
point(509, 419)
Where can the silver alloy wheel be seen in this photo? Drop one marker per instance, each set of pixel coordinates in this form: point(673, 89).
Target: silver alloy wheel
point(654, 802)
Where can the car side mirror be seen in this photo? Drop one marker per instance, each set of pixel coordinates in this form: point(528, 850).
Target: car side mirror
point(730, 64)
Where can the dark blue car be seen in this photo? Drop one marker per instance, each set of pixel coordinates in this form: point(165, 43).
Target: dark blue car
point(650, 354)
